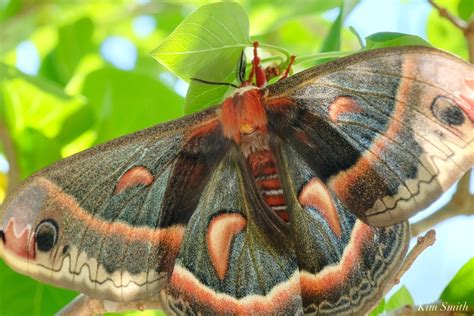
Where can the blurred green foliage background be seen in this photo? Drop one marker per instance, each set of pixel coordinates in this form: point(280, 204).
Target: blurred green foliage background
point(91, 78)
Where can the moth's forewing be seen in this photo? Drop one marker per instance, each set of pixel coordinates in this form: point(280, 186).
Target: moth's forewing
point(109, 221)
point(387, 130)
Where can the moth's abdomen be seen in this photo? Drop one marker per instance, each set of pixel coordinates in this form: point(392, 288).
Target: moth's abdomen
point(264, 171)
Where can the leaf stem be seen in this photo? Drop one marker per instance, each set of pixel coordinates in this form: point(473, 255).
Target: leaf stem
point(269, 59)
point(300, 59)
point(277, 48)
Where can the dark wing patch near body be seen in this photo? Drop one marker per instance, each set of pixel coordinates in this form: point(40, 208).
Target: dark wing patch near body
point(387, 130)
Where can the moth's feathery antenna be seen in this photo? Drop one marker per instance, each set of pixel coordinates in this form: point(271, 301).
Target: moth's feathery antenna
point(217, 83)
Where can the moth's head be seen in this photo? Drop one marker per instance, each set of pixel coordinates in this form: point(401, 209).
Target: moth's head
point(30, 229)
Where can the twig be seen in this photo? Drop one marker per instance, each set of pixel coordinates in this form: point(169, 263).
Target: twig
point(466, 27)
point(422, 243)
point(462, 203)
point(11, 156)
point(457, 22)
point(83, 305)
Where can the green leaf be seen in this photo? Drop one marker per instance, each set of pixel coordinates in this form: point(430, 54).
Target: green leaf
point(333, 39)
point(379, 309)
point(390, 39)
point(34, 111)
point(461, 287)
point(201, 96)
point(401, 298)
point(124, 102)
point(466, 9)
point(75, 41)
point(207, 44)
point(34, 103)
point(25, 296)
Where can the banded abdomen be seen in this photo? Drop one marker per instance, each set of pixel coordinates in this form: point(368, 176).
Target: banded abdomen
point(262, 165)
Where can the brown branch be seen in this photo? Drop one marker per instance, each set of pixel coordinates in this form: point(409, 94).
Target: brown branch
point(11, 156)
point(469, 34)
point(462, 203)
point(83, 305)
point(466, 27)
point(457, 22)
point(422, 243)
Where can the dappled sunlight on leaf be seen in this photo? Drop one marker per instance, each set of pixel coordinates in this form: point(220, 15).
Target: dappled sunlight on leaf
point(3, 186)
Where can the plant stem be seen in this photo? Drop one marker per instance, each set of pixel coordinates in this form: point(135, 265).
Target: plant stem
point(300, 59)
point(277, 48)
point(11, 156)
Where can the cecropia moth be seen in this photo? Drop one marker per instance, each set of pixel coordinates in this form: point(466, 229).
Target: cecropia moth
point(291, 197)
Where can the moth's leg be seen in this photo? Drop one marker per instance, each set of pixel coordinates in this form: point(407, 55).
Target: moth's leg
point(257, 70)
point(288, 68)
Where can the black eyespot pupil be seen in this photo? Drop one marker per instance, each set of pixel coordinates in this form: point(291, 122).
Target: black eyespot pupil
point(446, 110)
point(46, 235)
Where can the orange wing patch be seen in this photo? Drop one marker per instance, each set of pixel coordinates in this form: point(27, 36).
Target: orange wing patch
point(342, 105)
point(133, 177)
point(316, 194)
point(222, 230)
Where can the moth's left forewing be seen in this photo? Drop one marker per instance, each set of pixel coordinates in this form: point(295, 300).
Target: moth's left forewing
point(388, 130)
point(109, 221)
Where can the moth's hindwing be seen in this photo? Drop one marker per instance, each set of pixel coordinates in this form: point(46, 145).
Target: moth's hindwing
point(233, 260)
point(344, 263)
point(387, 130)
point(109, 222)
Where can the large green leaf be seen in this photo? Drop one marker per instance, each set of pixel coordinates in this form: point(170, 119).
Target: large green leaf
point(124, 102)
point(332, 41)
point(74, 41)
point(461, 287)
point(205, 41)
point(206, 45)
point(389, 39)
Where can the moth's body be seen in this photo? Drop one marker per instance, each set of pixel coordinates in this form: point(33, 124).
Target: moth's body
point(244, 121)
point(288, 198)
